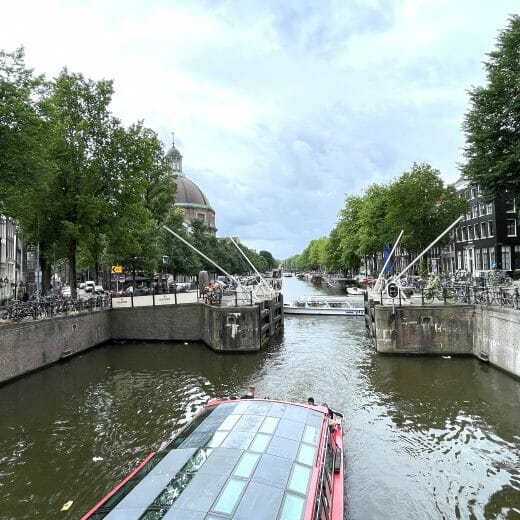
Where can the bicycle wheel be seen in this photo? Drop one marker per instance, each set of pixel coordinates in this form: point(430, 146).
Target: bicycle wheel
point(450, 296)
point(507, 299)
point(428, 296)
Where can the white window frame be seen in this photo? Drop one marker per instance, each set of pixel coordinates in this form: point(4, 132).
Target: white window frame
point(508, 221)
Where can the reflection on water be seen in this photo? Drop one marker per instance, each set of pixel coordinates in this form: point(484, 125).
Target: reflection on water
point(426, 437)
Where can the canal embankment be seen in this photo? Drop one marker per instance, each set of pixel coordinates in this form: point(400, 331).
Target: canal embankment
point(31, 345)
point(490, 333)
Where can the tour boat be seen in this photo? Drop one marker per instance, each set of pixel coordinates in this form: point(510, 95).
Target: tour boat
point(239, 459)
point(323, 305)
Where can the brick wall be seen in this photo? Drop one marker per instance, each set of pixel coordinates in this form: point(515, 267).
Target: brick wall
point(28, 346)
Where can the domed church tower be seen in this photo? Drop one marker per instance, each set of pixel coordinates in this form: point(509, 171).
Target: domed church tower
point(190, 198)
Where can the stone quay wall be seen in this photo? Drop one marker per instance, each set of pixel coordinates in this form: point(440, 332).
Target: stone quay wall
point(490, 333)
point(29, 346)
point(221, 328)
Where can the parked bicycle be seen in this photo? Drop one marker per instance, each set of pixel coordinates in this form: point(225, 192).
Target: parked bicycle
point(445, 294)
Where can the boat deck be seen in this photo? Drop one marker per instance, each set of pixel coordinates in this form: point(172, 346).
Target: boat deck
point(236, 458)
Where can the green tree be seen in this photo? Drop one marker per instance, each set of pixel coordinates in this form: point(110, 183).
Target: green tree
point(269, 259)
point(21, 131)
point(420, 204)
point(101, 175)
point(348, 227)
point(333, 252)
point(372, 222)
point(492, 123)
point(25, 167)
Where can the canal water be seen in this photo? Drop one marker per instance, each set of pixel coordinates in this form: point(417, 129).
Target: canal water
point(426, 438)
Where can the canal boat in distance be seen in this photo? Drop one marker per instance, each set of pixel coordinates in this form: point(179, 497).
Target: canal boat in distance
point(248, 459)
point(324, 306)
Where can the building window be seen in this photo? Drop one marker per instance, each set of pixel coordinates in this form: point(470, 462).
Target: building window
point(482, 230)
point(491, 229)
point(201, 216)
point(506, 258)
point(485, 259)
point(476, 230)
point(478, 259)
point(511, 206)
point(470, 232)
point(463, 234)
point(473, 193)
point(483, 208)
point(474, 211)
point(511, 227)
point(492, 258)
point(459, 260)
point(490, 208)
point(516, 258)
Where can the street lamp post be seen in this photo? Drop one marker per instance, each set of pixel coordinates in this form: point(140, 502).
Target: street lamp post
point(165, 260)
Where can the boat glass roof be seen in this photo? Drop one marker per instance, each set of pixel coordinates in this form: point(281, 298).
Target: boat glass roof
point(240, 456)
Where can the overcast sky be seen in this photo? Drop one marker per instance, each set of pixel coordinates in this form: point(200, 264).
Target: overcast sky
point(280, 108)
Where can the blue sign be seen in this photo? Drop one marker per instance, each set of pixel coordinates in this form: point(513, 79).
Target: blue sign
point(386, 254)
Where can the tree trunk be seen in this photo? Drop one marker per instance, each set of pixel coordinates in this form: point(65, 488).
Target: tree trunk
point(72, 269)
point(46, 276)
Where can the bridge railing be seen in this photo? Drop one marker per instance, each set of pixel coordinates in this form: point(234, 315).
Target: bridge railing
point(16, 311)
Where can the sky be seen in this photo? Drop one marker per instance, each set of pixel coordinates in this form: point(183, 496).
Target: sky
point(280, 108)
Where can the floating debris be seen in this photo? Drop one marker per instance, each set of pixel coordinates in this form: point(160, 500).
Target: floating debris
point(66, 505)
point(97, 459)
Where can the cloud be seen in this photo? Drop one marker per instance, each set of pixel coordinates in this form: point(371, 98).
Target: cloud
point(280, 109)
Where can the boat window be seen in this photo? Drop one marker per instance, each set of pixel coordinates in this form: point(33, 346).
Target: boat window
point(329, 459)
point(159, 507)
point(200, 457)
point(172, 491)
point(299, 479)
point(306, 454)
point(260, 442)
point(229, 496)
point(310, 434)
point(246, 465)
point(189, 429)
point(269, 425)
point(229, 422)
point(292, 507)
point(217, 439)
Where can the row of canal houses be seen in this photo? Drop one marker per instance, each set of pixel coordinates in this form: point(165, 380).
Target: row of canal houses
point(487, 238)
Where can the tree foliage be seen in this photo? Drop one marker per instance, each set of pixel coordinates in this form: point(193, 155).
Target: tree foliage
point(417, 202)
point(492, 124)
point(420, 204)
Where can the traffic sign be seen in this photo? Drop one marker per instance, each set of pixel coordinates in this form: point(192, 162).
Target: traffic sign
point(117, 269)
point(393, 290)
